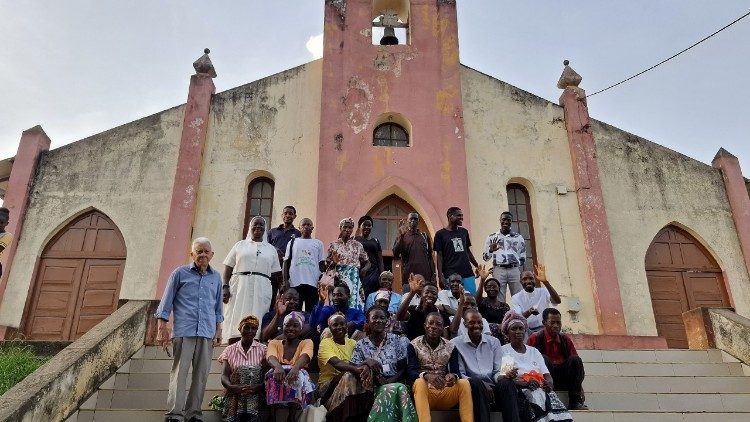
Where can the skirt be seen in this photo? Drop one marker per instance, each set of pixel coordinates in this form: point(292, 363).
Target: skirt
point(243, 407)
point(251, 295)
point(393, 404)
point(540, 406)
point(350, 275)
point(299, 392)
point(344, 397)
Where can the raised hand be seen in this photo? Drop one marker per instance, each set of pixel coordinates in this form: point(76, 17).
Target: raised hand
point(414, 283)
point(403, 227)
point(540, 272)
point(494, 245)
point(481, 272)
point(281, 306)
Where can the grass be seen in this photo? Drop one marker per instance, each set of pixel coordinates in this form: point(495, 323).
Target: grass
point(15, 364)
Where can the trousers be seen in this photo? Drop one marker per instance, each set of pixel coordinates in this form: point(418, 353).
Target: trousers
point(505, 397)
point(568, 376)
point(508, 278)
point(426, 398)
point(187, 352)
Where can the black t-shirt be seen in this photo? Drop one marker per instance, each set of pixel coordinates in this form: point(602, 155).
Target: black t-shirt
point(415, 323)
point(372, 247)
point(454, 247)
point(493, 314)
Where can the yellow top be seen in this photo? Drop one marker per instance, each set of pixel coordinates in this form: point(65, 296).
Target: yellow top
point(328, 349)
point(276, 349)
point(5, 240)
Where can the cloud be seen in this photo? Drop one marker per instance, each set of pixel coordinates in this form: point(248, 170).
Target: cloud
point(315, 46)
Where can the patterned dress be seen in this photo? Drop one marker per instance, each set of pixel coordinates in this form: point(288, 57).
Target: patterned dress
point(246, 368)
point(350, 255)
point(392, 402)
point(298, 391)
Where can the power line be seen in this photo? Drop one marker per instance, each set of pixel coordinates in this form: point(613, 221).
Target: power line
point(671, 57)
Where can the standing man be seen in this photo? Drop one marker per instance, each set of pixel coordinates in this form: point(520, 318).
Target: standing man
point(452, 245)
point(531, 299)
point(304, 260)
point(414, 249)
point(193, 294)
point(279, 237)
point(561, 358)
point(507, 250)
point(5, 237)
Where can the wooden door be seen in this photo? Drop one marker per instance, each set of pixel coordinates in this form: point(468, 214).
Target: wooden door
point(681, 276)
point(386, 216)
point(78, 279)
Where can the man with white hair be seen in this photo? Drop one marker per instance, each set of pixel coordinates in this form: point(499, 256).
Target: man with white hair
point(193, 294)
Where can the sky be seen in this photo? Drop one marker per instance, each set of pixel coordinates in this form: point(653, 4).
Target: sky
point(79, 67)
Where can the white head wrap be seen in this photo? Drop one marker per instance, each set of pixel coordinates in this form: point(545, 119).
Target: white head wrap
point(250, 229)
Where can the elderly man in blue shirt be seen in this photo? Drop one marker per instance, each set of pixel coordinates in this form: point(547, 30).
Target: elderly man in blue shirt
point(479, 361)
point(194, 296)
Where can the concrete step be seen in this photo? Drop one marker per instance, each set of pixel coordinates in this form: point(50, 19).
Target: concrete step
point(646, 384)
point(652, 356)
point(609, 416)
point(629, 369)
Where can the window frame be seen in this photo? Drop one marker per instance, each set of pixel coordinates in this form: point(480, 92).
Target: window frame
point(391, 139)
point(249, 198)
point(513, 208)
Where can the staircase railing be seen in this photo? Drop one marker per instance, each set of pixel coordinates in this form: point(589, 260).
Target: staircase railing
point(719, 328)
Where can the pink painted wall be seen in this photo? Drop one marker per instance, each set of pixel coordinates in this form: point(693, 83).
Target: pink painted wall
point(33, 142)
point(361, 81)
point(739, 201)
point(177, 239)
point(598, 243)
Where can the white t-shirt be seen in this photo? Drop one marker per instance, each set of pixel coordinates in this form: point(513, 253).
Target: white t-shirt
point(445, 297)
point(306, 255)
point(538, 299)
point(532, 360)
point(462, 328)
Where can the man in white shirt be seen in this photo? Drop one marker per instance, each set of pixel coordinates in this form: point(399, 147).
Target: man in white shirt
point(532, 300)
point(448, 299)
point(303, 262)
point(507, 250)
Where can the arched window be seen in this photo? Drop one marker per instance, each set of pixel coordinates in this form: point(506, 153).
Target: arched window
point(520, 205)
point(390, 135)
point(259, 201)
point(390, 22)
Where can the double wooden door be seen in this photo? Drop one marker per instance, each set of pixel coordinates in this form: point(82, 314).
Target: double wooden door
point(78, 279)
point(681, 276)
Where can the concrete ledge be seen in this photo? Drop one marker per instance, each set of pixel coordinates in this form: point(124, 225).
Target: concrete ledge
point(39, 348)
point(57, 388)
point(721, 328)
point(605, 342)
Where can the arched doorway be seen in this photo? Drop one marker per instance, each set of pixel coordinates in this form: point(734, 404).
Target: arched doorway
point(78, 279)
point(386, 215)
point(681, 275)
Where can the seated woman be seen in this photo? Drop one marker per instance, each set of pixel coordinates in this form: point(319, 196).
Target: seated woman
point(492, 307)
point(337, 391)
point(385, 354)
point(288, 383)
point(382, 301)
point(242, 376)
point(538, 401)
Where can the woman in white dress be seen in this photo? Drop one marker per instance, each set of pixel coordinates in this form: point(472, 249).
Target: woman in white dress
point(247, 278)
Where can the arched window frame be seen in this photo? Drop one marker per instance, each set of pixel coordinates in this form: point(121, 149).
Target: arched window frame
point(258, 202)
point(391, 140)
point(519, 204)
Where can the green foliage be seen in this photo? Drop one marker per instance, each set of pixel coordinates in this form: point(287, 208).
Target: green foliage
point(15, 364)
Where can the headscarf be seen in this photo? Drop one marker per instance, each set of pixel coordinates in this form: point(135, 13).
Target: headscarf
point(334, 316)
point(347, 220)
point(299, 316)
point(250, 319)
point(250, 229)
point(512, 318)
point(382, 294)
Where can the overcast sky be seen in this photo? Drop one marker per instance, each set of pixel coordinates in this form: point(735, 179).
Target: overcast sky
point(81, 67)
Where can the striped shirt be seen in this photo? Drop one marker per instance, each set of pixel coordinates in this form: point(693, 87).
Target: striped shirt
point(236, 356)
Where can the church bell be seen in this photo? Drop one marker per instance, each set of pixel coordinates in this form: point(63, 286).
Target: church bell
point(389, 36)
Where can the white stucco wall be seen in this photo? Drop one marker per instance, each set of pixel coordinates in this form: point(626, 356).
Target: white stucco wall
point(514, 136)
point(646, 187)
point(127, 173)
point(271, 128)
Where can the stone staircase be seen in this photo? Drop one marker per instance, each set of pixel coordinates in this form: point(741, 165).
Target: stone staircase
point(621, 386)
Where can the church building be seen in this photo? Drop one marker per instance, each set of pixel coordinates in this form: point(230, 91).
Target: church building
point(632, 234)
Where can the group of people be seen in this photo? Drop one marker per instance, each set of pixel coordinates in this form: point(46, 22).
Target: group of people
point(287, 307)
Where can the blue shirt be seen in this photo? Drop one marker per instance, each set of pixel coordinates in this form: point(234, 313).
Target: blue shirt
point(195, 299)
point(392, 305)
point(321, 313)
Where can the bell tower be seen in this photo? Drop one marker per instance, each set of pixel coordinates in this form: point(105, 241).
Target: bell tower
point(391, 116)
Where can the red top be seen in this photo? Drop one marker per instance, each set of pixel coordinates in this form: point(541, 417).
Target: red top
point(552, 348)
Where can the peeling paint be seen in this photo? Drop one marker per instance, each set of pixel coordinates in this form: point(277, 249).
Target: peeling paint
point(367, 33)
point(387, 61)
point(341, 159)
point(445, 100)
point(338, 141)
point(358, 102)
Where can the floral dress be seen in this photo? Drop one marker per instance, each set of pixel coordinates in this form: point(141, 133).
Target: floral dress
point(350, 255)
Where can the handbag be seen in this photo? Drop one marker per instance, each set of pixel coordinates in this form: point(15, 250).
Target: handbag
point(315, 412)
